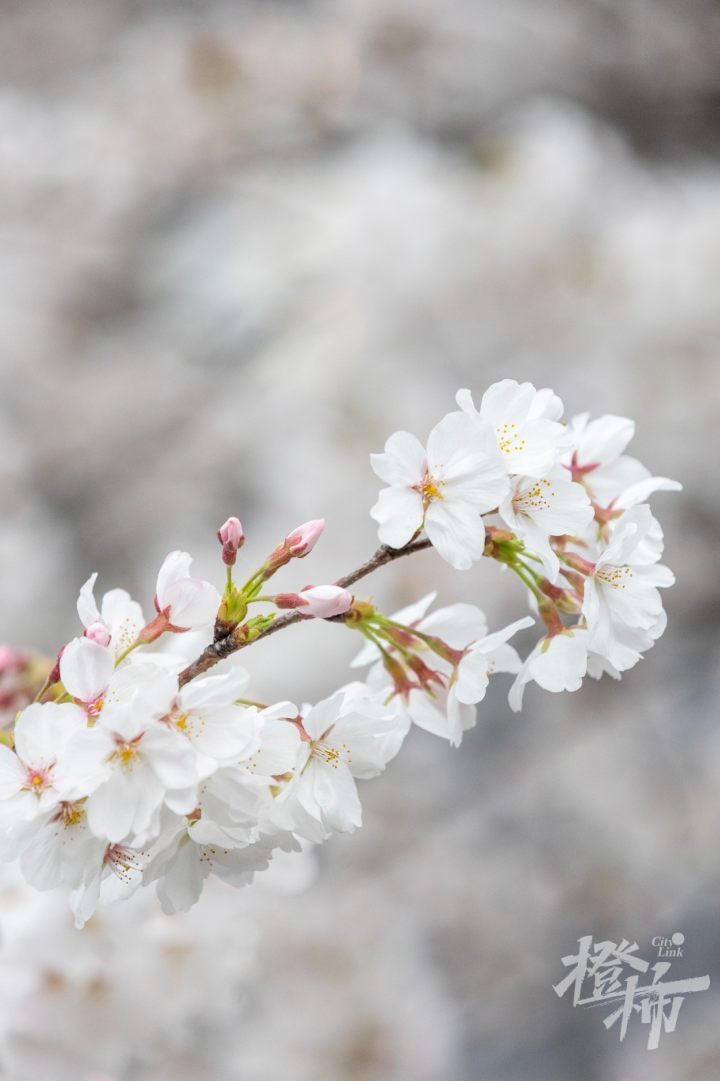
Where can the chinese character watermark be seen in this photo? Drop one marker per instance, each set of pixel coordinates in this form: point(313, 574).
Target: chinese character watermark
point(611, 973)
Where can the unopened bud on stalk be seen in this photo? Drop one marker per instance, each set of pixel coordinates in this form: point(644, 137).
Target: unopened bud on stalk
point(303, 539)
point(231, 536)
point(295, 546)
point(324, 602)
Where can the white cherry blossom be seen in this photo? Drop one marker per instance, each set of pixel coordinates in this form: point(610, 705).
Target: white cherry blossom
point(112, 874)
point(187, 602)
point(347, 736)
point(181, 865)
point(206, 713)
point(597, 458)
point(86, 669)
point(539, 508)
point(557, 663)
point(279, 742)
point(118, 613)
point(447, 709)
point(525, 423)
point(621, 595)
point(28, 775)
point(128, 765)
point(443, 489)
point(56, 848)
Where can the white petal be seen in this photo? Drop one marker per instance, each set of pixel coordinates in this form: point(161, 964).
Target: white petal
point(111, 809)
point(639, 492)
point(461, 716)
point(86, 605)
point(212, 691)
point(84, 763)
point(604, 439)
point(181, 885)
point(170, 755)
point(457, 624)
point(12, 773)
point(330, 794)
point(472, 678)
point(562, 665)
point(457, 532)
point(176, 566)
point(192, 603)
point(124, 618)
point(279, 747)
point(491, 641)
point(86, 668)
point(403, 463)
point(42, 732)
point(399, 513)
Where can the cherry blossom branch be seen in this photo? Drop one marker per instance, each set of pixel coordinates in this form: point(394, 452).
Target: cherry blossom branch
point(235, 641)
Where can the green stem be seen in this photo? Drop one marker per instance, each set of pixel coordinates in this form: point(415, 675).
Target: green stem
point(45, 687)
point(526, 575)
point(126, 652)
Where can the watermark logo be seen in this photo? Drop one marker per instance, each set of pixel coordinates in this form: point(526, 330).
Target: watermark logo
point(614, 975)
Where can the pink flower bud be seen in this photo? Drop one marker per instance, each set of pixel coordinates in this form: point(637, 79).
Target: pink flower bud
point(231, 537)
point(54, 676)
point(325, 601)
point(303, 539)
point(98, 632)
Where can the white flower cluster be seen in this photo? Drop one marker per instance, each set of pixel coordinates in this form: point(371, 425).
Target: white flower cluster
point(574, 526)
point(131, 767)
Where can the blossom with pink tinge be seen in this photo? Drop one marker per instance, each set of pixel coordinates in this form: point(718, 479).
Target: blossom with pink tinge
point(187, 602)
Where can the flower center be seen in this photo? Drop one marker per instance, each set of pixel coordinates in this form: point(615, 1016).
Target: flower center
point(189, 724)
point(122, 861)
point(430, 489)
point(37, 780)
point(94, 709)
point(325, 752)
point(617, 577)
point(70, 814)
point(534, 498)
point(509, 439)
point(126, 752)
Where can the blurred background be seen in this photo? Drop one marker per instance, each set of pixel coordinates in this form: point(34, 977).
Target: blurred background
point(241, 243)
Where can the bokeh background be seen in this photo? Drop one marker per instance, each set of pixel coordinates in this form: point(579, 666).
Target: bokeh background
point(241, 243)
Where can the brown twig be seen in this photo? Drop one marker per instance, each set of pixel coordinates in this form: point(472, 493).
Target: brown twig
point(233, 642)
